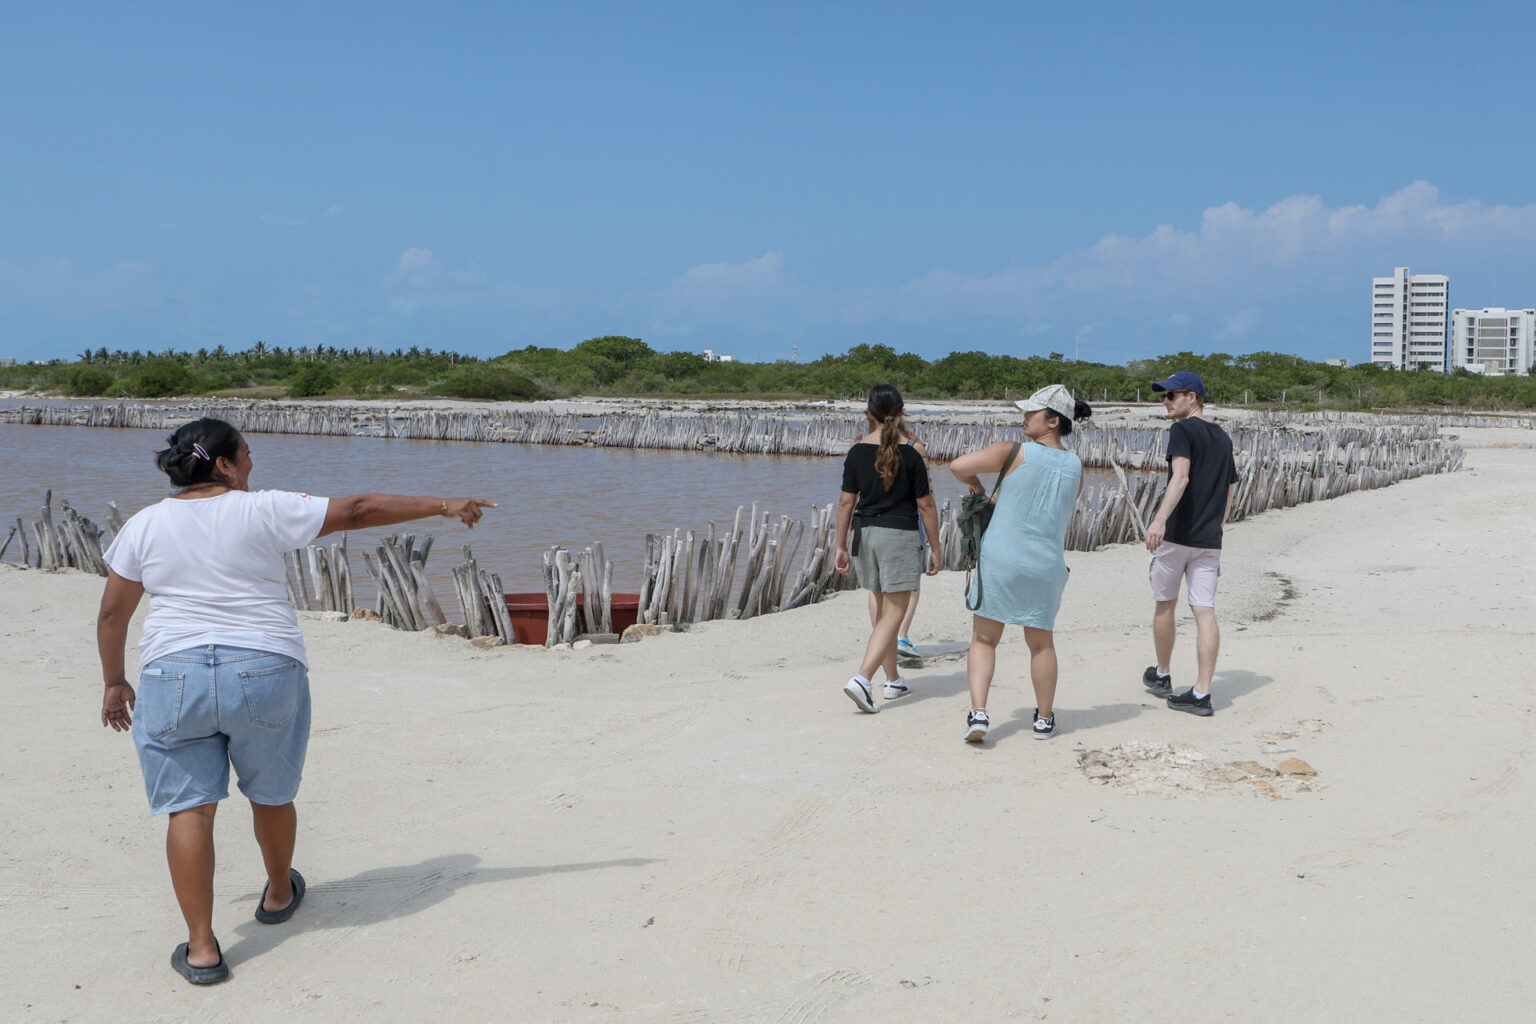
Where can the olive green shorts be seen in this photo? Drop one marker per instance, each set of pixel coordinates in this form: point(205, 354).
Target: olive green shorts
point(889, 559)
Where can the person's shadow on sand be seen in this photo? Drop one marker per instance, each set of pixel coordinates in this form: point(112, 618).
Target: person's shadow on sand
point(1228, 686)
point(1068, 719)
point(1232, 684)
point(924, 687)
point(384, 894)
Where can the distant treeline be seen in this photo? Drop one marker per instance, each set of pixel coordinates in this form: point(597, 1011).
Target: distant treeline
point(616, 365)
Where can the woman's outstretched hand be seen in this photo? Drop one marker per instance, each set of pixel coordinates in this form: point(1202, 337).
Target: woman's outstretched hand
point(466, 510)
point(116, 705)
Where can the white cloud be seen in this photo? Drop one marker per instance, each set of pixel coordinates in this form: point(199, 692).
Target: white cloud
point(758, 292)
point(335, 211)
point(1301, 236)
point(753, 277)
point(1238, 325)
point(420, 281)
point(1235, 262)
point(416, 268)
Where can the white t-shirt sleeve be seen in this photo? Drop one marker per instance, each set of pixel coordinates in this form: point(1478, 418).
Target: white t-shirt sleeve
point(122, 555)
point(294, 519)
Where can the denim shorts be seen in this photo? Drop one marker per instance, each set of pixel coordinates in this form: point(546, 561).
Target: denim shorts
point(199, 710)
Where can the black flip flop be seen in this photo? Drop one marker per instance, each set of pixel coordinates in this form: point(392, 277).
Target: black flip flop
point(279, 916)
point(199, 975)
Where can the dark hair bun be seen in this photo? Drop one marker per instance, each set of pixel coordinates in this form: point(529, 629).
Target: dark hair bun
point(180, 460)
point(1082, 410)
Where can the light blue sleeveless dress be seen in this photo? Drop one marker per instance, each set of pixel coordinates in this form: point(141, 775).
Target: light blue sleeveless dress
point(1022, 569)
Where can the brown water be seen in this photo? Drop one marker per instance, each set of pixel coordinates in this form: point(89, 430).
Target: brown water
point(548, 494)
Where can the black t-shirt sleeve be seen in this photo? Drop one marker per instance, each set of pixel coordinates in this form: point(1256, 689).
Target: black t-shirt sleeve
point(1178, 441)
point(921, 488)
point(850, 475)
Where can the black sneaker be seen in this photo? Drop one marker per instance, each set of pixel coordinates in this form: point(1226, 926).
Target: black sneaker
point(1158, 686)
point(1187, 701)
point(976, 725)
point(1044, 727)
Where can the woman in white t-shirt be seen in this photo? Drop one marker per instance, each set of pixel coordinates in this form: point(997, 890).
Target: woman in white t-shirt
point(224, 676)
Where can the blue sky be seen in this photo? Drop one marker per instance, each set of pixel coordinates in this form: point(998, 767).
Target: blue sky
point(1133, 179)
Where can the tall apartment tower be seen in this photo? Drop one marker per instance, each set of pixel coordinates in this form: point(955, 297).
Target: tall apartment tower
point(1493, 341)
point(1409, 317)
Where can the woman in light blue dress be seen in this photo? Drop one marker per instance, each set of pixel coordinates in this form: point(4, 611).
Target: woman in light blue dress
point(1022, 572)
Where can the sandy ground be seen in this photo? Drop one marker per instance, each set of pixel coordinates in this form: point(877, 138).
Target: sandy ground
point(701, 828)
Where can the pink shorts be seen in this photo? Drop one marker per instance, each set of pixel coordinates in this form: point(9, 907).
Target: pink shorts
point(1197, 567)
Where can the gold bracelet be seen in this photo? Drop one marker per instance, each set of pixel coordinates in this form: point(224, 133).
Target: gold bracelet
point(444, 503)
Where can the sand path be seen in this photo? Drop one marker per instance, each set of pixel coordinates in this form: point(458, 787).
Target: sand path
point(702, 828)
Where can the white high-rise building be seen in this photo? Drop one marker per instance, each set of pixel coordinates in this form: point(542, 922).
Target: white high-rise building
point(1494, 341)
point(1409, 317)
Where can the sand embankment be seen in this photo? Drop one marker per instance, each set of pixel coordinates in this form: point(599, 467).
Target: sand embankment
point(700, 827)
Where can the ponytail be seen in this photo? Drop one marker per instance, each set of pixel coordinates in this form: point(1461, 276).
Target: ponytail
point(885, 411)
point(1081, 410)
point(888, 462)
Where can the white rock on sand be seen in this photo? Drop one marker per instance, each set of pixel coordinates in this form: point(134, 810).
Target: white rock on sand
point(701, 827)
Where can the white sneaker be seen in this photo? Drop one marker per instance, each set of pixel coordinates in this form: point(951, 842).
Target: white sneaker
point(1044, 727)
point(976, 725)
point(896, 688)
point(858, 691)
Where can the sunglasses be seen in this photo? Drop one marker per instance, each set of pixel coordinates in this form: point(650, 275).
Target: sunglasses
point(1169, 396)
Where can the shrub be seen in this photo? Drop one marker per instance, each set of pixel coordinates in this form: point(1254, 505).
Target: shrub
point(488, 382)
point(88, 380)
point(312, 379)
point(160, 377)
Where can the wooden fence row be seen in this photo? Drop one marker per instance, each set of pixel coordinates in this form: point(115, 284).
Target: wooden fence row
point(691, 576)
point(74, 542)
point(1290, 436)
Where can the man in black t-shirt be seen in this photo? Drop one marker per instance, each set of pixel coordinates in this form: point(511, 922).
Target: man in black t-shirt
point(1185, 537)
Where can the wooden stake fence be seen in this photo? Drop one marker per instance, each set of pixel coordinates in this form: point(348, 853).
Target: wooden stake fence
point(790, 433)
point(1283, 460)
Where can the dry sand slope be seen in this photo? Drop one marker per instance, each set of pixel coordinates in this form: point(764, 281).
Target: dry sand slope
point(702, 828)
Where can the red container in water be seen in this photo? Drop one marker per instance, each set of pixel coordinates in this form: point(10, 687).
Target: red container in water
point(530, 614)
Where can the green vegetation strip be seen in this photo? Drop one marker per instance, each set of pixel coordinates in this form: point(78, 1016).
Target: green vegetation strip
point(621, 366)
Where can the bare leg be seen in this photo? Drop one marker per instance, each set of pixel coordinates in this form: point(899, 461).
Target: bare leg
point(906, 620)
point(981, 660)
point(874, 609)
point(1042, 668)
point(1162, 633)
point(276, 830)
point(881, 652)
point(1207, 645)
point(189, 851)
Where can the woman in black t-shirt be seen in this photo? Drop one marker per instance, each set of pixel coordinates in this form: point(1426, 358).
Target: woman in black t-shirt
point(885, 494)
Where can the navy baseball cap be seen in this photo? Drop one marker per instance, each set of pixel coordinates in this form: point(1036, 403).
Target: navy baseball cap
point(1188, 380)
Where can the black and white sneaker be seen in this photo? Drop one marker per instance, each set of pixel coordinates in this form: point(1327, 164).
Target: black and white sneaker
point(858, 691)
point(896, 688)
point(976, 725)
point(1187, 701)
point(1157, 686)
point(1045, 728)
